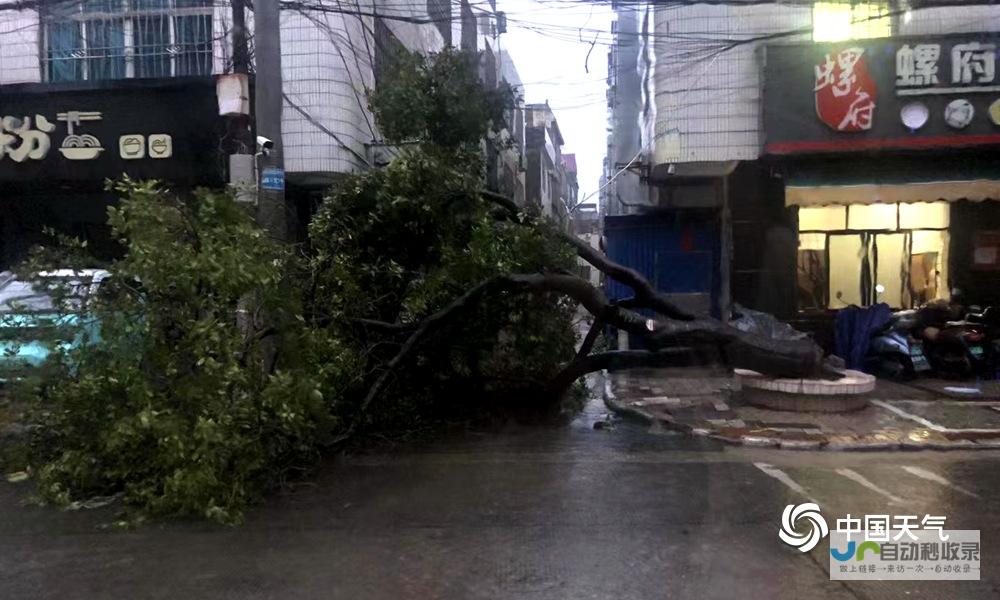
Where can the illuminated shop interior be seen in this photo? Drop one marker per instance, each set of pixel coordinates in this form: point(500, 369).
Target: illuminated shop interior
point(866, 253)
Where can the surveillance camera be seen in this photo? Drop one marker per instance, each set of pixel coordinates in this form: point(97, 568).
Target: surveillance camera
point(264, 144)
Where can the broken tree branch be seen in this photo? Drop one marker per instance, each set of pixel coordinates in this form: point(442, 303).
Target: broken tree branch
point(785, 358)
point(779, 358)
point(645, 294)
point(613, 361)
point(384, 326)
point(588, 342)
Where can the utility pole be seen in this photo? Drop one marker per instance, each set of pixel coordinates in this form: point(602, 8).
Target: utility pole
point(241, 54)
point(242, 122)
point(234, 103)
point(272, 213)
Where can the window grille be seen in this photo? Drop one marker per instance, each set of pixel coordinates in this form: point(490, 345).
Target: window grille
point(92, 40)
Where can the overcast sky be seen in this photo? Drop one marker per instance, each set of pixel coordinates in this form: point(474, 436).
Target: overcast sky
point(544, 40)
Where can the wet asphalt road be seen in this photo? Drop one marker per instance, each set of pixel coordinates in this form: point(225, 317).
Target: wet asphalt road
point(529, 512)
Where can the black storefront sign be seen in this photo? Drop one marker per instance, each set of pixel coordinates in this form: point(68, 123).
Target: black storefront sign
point(909, 93)
point(84, 134)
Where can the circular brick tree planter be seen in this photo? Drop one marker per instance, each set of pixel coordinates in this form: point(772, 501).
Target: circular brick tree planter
point(806, 395)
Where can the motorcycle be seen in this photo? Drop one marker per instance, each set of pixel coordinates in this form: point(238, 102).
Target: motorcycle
point(988, 321)
point(955, 348)
point(894, 352)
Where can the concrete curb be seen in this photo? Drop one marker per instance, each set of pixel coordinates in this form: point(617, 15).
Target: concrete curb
point(612, 403)
point(756, 440)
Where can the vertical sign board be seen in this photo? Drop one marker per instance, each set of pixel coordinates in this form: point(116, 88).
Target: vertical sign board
point(889, 93)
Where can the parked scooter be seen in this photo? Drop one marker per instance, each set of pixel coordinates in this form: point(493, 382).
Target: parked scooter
point(894, 351)
point(987, 320)
point(955, 345)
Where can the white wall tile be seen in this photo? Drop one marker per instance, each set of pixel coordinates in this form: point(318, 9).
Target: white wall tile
point(326, 67)
point(708, 103)
point(19, 47)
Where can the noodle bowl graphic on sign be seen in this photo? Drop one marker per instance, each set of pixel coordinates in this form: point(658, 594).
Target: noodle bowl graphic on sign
point(79, 146)
point(794, 523)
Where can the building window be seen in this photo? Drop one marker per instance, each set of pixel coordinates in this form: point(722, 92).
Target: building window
point(838, 21)
point(861, 254)
point(117, 39)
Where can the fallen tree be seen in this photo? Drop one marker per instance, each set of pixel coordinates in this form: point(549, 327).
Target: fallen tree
point(428, 219)
point(419, 297)
point(669, 338)
point(670, 334)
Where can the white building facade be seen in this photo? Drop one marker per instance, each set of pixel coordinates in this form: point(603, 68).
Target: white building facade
point(118, 55)
point(719, 115)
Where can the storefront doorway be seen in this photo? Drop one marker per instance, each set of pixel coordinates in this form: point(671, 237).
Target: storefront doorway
point(862, 254)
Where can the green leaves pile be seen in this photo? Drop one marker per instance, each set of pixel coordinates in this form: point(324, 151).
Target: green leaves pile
point(173, 405)
point(225, 359)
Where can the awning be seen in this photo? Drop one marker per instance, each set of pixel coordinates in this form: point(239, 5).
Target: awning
point(878, 180)
point(878, 193)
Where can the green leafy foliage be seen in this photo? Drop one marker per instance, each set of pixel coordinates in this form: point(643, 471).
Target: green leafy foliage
point(173, 406)
point(223, 359)
point(438, 100)
point(398, 244)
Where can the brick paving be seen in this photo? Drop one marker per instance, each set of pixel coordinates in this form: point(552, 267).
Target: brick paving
point(707, 402)
point(956, 415)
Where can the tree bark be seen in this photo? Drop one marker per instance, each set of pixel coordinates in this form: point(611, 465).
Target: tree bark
point(779, 358)
point(588, 342)
point(646, 296)
point(782, 358)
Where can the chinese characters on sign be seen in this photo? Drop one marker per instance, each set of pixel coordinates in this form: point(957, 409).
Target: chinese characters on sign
point(917, 65)
point(27, 138)
point(973, 63)
point(845, 91)
point(20, 141)
point(972, 67)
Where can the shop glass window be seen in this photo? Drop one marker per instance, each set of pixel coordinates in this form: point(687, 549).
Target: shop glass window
point(117, 39)
point(872, 216)
point(839, 21)
point(812, 271)
point(823, 218)
point(892, 253)
point(845, 260)
point(924, 215)
point(928, 266)
point(890, 267)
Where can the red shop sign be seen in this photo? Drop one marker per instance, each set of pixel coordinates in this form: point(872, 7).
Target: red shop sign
point(845, 91)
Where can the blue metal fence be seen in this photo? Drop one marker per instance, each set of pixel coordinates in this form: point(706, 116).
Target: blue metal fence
point(677, 252)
